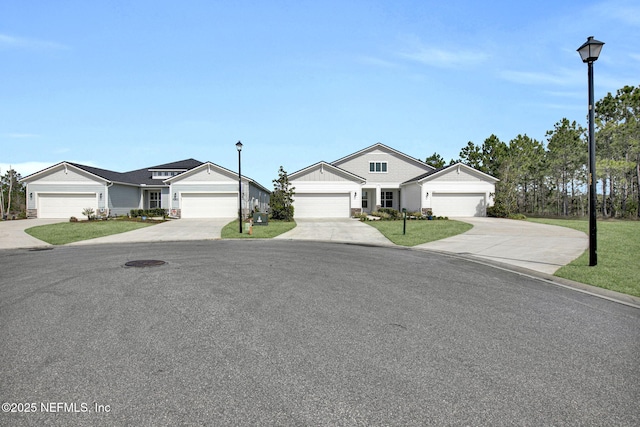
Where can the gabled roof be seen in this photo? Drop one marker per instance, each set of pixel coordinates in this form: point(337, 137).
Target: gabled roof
point(98, 173)
point(330, 167)
point(179, 165)
point(384, 147)
point(102, 173)
point(136, 177)
point(211, 164)
point(437, 172)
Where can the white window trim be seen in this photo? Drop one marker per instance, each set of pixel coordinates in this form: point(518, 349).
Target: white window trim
point(380, 171)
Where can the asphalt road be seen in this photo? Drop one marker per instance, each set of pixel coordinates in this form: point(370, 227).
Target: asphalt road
point(297, 333)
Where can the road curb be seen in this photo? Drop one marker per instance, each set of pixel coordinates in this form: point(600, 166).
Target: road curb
point(607, 294)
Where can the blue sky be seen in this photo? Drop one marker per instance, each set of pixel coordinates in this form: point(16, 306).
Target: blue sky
point(123, 85)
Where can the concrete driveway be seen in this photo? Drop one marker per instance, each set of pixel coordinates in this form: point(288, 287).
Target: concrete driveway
point(174, 230)
point(12, 235)
point(335, 230)
point(538, 247)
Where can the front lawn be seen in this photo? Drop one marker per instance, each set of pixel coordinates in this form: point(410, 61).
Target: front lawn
point(273, 229)
point(419, 232)
point(618, 244)
point(68, 232)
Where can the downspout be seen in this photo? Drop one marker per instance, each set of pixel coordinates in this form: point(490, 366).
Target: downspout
point(106, 197)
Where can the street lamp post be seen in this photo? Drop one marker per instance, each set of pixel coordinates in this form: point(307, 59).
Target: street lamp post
point(239, 147)
point(589, 53)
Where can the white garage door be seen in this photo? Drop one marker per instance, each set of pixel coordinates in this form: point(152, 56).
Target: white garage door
point(61, 205)
point(312, 205)
point(459, 204)
point(209, 205)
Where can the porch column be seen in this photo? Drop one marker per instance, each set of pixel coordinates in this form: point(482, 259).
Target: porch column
point(378, 197)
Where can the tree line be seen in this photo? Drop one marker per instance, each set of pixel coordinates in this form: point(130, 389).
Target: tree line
point(551, 177)
point(12, 195)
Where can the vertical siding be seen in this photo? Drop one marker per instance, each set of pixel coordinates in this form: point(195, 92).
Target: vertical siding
point(123, 198)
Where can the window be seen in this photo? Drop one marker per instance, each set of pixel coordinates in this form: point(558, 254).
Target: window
point(378, 167)
point(365, 200)
point(387, 199)
point(154, 200)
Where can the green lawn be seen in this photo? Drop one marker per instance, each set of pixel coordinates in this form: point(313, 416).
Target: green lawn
point(618, 246)
point(67, 232)
point(275, 228)
point(419, 231)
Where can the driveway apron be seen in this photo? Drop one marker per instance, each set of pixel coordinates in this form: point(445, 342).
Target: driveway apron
point(174, 230)
point(335, 230)
point(539, 247)
point(12, 235)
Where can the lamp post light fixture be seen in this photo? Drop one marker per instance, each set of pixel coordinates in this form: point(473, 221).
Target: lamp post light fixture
point(589, 53)
point(239, 147)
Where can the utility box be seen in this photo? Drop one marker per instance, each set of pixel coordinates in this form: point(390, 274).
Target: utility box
point(260, 218)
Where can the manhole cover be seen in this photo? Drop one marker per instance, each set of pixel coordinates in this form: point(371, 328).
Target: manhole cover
point(145, 263)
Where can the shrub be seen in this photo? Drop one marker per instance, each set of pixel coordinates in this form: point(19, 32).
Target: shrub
point(88, 212)
point(361, 216)
point(393, 214)
point(73, 219)
point(517, 216)
point(497, 211)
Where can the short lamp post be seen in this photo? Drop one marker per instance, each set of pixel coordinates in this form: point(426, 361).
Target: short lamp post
point(239, 147)
point(589, 53)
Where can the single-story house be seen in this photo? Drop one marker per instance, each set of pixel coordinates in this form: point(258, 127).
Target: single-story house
point(186, 189)
point(381, 177)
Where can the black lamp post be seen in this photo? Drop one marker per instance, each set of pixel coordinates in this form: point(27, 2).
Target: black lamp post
point(589, 53)
point(239, 147)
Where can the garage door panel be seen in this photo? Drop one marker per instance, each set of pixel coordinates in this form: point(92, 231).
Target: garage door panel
point(459, 204)
point(322, 205)
point(65, 205)
point(209, 205)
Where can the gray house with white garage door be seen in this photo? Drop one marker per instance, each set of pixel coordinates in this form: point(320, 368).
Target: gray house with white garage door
point(382, 177)
point(186, 189)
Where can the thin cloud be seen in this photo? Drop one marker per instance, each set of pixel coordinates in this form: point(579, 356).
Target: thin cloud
point(622, 11)
point(563, 77)
point(11, 42)
point(446, 58)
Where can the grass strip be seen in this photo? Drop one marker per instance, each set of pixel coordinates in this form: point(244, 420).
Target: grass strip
point(68, 232)
point(618, 248)
point(273, 229)
point(419, 232)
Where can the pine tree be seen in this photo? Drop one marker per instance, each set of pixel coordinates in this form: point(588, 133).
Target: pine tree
point(281, 201)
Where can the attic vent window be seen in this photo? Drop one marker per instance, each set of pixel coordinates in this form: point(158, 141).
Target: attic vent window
point(378, 167)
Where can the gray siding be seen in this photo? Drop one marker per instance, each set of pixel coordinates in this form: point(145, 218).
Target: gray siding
point(258, 196)
point(322, 174)
point(456, 174)
point(123, 198)
point(399, 168)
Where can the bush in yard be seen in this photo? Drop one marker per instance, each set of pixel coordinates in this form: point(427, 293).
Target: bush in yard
point(393, 214)
point(361, 216)
point(88, 212)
